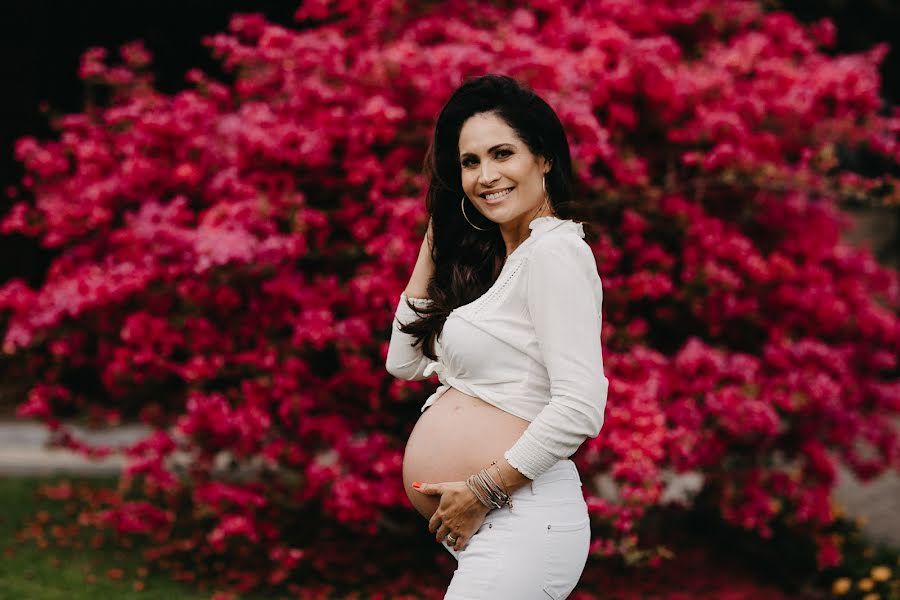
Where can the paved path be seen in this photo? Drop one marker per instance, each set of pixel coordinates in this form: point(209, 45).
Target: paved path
point(23, 452)
point(878, 502)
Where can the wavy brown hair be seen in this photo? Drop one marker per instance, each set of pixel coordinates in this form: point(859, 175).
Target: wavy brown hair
point(468, 261)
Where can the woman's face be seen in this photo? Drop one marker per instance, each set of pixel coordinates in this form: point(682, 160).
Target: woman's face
point(493, 158)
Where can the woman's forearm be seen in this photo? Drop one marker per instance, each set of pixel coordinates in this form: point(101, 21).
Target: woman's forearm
point(422, 272)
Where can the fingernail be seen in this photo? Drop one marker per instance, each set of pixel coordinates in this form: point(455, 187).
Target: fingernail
point(416, 484)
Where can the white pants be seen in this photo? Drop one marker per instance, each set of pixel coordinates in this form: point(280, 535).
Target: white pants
point(535, 551)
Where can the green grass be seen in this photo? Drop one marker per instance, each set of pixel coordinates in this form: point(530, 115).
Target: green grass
point(28, 572)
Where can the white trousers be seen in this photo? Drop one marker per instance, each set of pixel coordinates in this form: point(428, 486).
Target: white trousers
point(536, 551)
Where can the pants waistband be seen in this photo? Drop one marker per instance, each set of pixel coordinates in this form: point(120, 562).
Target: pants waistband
point(564, 470)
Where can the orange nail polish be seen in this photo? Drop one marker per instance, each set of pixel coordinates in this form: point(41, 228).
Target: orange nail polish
point(416, 484)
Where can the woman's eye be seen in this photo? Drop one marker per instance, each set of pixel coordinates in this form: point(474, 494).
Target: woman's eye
point(467, 161)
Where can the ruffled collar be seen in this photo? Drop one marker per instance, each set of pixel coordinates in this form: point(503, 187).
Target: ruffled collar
point(544, 224)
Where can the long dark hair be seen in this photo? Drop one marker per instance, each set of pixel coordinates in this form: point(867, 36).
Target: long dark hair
point(468, 261)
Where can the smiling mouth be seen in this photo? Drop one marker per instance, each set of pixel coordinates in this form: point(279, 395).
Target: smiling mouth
point(497, 195)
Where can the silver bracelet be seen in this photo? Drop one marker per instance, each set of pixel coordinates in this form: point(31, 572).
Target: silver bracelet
point(470, 483)
point(501, 496)
point(487, 491)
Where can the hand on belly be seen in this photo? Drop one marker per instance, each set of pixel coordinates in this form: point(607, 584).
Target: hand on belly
point(454, 438)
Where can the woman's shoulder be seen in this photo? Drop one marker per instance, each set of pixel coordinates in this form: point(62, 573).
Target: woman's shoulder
point(561, 260)
point(561, 252)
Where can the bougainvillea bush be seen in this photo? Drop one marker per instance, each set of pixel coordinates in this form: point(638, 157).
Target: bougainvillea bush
point(229, 258)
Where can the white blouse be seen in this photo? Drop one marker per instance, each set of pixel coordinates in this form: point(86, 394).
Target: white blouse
point(530, 345)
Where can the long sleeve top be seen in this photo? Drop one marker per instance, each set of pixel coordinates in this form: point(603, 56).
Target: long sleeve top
point(530, 345)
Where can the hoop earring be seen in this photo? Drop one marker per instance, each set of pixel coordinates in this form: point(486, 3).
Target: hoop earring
point(547, 196)
point(462, 207)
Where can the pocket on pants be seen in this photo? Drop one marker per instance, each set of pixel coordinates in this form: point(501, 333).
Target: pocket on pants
point(567, 544)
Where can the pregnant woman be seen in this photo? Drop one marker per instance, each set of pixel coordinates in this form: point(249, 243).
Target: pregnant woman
point(504, 306)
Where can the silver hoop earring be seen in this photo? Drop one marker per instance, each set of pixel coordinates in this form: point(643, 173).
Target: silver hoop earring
point(462, 207)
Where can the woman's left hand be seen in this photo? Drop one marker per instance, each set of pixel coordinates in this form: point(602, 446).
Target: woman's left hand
point(459, 512)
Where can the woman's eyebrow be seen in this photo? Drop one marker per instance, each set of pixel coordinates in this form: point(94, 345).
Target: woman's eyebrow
point(491, 149)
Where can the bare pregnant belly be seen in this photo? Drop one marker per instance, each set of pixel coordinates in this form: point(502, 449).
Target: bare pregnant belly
point(454, 438)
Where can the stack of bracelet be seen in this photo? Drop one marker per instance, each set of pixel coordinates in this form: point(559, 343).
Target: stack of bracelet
point(486, 489)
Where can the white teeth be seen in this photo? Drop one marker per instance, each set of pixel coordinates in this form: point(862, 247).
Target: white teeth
point(498, 195)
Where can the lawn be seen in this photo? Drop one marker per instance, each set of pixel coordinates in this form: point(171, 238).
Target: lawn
point(28, 571)
point(37, 567)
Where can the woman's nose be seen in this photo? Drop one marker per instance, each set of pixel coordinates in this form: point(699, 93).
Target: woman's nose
point(488, 174)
